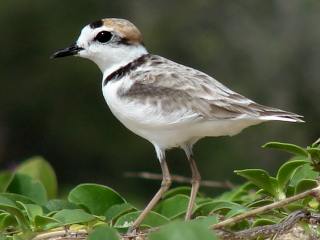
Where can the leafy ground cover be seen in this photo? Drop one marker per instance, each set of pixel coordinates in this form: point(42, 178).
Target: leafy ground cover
point(30, 209)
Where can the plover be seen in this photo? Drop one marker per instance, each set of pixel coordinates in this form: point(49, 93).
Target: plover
point(169, 104)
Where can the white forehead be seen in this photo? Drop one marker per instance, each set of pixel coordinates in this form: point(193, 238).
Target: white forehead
point(87, 34)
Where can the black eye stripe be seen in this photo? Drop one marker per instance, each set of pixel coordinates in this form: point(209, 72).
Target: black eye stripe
point(103, 37)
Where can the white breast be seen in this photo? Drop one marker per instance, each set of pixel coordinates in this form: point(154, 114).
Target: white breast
point(143, 119)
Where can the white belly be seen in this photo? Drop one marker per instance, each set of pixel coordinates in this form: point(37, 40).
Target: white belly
point(170, 130)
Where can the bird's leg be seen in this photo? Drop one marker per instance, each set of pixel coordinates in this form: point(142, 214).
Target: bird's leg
point(165, 184)
point(196, 178)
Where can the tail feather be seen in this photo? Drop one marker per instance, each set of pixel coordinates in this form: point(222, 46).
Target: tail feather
point(269, 114)
point(285, 118)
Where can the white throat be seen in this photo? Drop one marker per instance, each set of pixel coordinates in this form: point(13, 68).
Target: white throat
point(117, 58)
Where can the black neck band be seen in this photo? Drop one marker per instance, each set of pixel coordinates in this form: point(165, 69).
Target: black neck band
point(122, 71)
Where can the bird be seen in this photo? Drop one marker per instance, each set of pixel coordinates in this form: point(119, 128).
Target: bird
point(164, 102)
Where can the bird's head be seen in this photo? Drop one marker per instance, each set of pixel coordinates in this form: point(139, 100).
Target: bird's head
point(109, 42)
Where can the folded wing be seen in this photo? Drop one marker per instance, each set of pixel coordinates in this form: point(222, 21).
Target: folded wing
point(181, 90)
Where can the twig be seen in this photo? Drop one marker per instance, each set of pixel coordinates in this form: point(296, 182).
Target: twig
point(267, 230)
point(83, 234)
point(179, 179)
point(315, 192)
point(60, 234)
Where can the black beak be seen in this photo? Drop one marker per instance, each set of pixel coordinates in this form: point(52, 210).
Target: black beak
point(69, 51)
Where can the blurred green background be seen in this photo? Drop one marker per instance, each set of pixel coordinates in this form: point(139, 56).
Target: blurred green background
point(266, 50)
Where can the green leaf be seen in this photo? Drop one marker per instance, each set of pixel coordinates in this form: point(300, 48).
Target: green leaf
point(73, 216)
point(288, 147)
point(304, 172)
point(183, 231)
point(315, 152)
point(17, 197)
point(104, 233)
point(96, 198)
point(279, 193)
point(6, 202)
point(153, 219)
point(45, 223)
point(178, 190)
point(315, 157)
point(264, 193)
point(287, 170)
point(32, 210)
point(207, 221)
point(3, 215)
point(117, 210)
point(173, 207)
point(38, 168)
point(7, 221)
point(297, 205)
point(235, 211)
point(213, 206)
point(263, 222)
point(316, 144)
point(313, 203)
point(259, 203)
point(237, 193)
point(304, 185)
point(5, 179)
point(32, 188)
point(9, 206)
point(247, 192)
point(201, 200)
point(260, 178)
point(244, 224)
point(59, 204)
point(289, 191)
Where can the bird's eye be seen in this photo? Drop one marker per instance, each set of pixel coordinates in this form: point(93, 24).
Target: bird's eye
point(103, 36)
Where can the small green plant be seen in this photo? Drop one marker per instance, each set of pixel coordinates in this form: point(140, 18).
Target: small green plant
point(29, 207)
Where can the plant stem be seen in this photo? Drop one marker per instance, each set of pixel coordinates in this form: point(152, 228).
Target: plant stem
point(60, 234)
point(180, 179)
point(315, 192)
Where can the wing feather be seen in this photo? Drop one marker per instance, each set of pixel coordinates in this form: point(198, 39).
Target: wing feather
point(174, 87)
